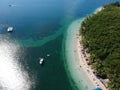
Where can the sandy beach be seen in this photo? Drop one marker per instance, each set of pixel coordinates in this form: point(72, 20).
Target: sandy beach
point(73, 58)
point(86, 68)
point(78, 68)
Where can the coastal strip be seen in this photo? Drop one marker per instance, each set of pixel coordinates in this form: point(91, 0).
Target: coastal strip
point(81, 73)
point(86, 68)
point(73, 66)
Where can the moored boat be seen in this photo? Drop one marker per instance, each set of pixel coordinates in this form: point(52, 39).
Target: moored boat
point(10, 29)
point(41, 60)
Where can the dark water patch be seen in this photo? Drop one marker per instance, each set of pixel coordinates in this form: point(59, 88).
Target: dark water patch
point(50, 76)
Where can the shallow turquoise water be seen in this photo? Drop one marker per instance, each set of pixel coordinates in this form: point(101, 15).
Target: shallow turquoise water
point(39, 29)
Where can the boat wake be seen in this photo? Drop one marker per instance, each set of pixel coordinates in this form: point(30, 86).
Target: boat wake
point(12, 74)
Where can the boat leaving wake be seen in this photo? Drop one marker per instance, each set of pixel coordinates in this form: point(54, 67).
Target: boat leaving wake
point(12, 74)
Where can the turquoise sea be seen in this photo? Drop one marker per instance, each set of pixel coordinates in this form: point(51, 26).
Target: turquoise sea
point(39, 30)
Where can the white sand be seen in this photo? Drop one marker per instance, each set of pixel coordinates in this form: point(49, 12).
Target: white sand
point(81, 73)
point(79, 77)
point(86, 68)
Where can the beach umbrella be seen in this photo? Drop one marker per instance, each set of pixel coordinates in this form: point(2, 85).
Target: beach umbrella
point(97, 88)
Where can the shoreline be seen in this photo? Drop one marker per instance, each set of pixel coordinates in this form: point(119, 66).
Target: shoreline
point(86, 68)
point(74, 70)
point(78, 68)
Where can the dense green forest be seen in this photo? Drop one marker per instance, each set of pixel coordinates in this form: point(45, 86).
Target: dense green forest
point(101, 38)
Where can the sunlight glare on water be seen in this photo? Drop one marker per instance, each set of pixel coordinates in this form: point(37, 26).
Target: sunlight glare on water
point(12, 75)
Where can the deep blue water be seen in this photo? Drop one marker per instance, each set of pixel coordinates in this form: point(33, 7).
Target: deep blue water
point(39, 27)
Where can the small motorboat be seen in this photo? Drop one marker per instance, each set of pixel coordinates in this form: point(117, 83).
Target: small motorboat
point(10, 29)
point(41, 60)
point(48, 55)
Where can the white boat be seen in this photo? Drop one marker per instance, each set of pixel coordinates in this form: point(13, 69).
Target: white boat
point(48, 55)
point(10, 29)
point(41, 60)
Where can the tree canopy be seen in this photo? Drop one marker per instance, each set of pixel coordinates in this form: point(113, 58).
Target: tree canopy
point(101, 37)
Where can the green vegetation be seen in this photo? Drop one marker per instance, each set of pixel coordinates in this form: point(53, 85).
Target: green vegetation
point(101, 38)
